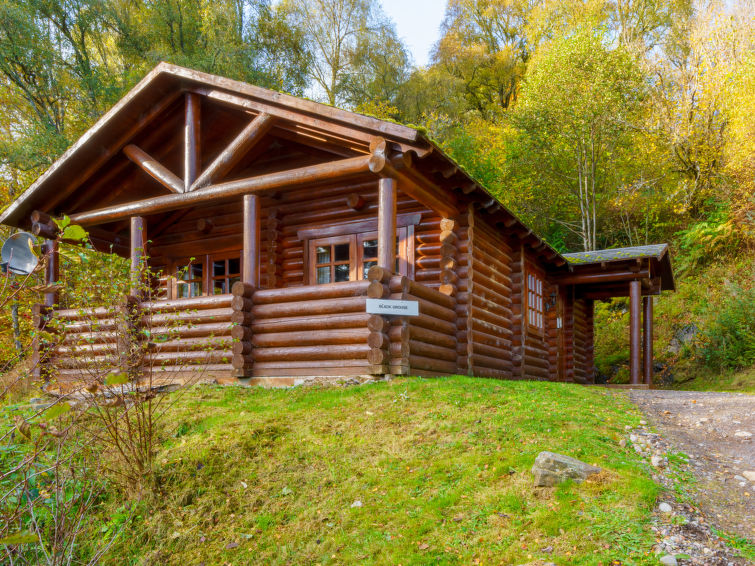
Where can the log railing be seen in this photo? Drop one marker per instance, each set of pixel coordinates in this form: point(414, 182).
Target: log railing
point(164, 336)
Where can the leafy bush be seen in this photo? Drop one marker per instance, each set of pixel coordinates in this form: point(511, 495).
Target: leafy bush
point(729, 341)
point(712, 238)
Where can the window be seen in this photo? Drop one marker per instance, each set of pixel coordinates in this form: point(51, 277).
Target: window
point(348, 258)
point(535, 301)
point(332, 259)
point(189, 280)
point(225, 272)
point(204, 275)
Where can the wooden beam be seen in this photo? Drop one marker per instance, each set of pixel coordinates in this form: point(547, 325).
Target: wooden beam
point(95, 165)
point(232, 154)
point(138, 254)
point(386, 257)
point(635, 290)
point(251, 241)
point(411, 182)
point(647, 339)
point(192, 142)
point(154, 168)
point(588, 278)
point(311, 174)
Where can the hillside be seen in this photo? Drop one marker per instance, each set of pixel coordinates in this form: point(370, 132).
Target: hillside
point(411, 471)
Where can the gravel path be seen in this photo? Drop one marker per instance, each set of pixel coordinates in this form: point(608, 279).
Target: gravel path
point(717, 432)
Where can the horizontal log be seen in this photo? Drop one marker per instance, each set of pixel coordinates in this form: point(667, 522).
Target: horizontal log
point(304, 175)
point(431, 365)
point(310, 338)
point(536, 372)
point(432, 323)
point(480, 360)
point(406, 285)
point(179, 358)
point(311, 292)
point(198, 316)
point(419, 348)
point(194, 303)
point(242, 318)
point(303, 308)
point(240, 304)
point(189, 330)
point(378, 340)
point(432, 337)
point(304, 353)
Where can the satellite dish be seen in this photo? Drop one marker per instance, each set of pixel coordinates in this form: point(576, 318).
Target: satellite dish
point(18, 254)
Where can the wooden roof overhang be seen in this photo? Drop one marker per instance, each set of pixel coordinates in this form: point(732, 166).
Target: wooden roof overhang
point(603, 274)
point(143, 157)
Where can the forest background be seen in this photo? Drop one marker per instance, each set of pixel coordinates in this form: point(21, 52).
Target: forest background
point(602, 123)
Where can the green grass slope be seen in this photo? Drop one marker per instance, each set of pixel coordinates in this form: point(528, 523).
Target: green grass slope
point(440, 468)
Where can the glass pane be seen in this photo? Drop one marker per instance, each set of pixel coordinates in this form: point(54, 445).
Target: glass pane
point(342, 272)
point(196, 271)
point(369, 249)
point(218, 268)
point(323, 274)
point(323, 254)
point(196, 289)
point(182, 291)
point(184, 273)
point(234, 266)
point(218, 287)
point(366, 268)
point(342, 252)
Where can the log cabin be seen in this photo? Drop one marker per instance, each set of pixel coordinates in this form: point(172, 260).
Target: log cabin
point(273, 220)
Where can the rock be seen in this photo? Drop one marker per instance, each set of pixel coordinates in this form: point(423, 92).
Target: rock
point(633, 438)
point(357, 503)
point(743, 434)
point(739, 478)
point(657, 461)
point(622, 443)
point(665, 508)
point(669, 560)
point(643, 423)
point(750, 476)
point(551, 468)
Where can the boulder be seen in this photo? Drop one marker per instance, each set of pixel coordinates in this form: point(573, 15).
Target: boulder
point(551, 468)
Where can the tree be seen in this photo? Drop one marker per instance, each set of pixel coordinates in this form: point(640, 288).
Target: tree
point(579, 107)
point(353, 50)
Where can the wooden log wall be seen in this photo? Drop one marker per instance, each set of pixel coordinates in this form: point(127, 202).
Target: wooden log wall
point(582, 357)
point(314, 330)
point(489, 329)
point(425, 343)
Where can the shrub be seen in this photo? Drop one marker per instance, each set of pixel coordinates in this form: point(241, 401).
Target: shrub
point(729, 340)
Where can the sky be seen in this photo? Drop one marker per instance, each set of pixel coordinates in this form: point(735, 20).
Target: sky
point(417, 24)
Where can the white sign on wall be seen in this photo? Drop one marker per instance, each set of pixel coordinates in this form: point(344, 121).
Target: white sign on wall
point(392, 307)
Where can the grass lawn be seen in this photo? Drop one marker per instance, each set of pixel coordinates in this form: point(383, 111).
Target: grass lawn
point(440, 466)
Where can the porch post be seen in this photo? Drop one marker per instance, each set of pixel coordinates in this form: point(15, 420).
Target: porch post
point(647, 338)
point(387, 224)
point(138, 254)
point(251, 263)
point(634, 331)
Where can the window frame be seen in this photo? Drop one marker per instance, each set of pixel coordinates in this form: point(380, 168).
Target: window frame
point(534, 300)
point(404, 256)
point(206, 261)
point(331, 241)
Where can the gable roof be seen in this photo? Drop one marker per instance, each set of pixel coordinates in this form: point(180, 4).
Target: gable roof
point(657, 253)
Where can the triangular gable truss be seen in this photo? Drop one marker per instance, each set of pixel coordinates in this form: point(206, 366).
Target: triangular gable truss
point(358, 144)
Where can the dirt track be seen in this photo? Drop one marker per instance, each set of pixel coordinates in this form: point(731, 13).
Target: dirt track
point(704, 426)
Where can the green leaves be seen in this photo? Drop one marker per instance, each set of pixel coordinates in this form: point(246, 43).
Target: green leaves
point(74, 232)
point(116, 379)
point(21, 537)
point(57, 410)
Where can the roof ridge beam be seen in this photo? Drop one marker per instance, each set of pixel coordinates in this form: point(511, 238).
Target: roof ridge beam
point(234, 151)
point(154, 168)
